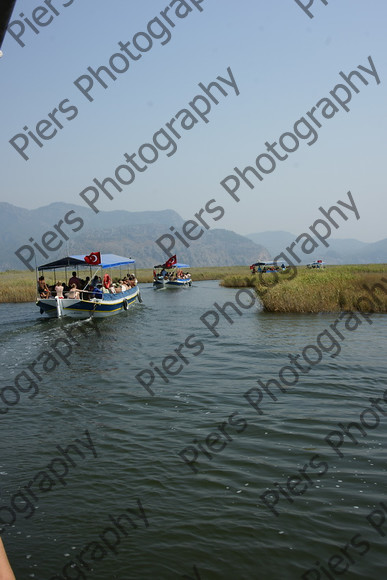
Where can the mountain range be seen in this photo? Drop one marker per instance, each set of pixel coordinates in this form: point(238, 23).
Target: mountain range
point(134, 233)
point(131, 234)
point(340, 251)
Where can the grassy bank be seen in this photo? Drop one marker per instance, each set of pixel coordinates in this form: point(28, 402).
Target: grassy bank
point(16, 286)
point(334, 289)
point(20, 286)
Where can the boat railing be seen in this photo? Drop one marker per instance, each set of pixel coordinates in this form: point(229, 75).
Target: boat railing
point(89, 295)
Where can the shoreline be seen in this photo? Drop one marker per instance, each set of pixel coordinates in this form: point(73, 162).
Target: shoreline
point(358, 287)
point(19, 286)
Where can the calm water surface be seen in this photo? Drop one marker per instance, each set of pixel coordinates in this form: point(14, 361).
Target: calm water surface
point(212, 524)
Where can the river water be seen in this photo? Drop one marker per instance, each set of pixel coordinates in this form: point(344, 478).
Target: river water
point(265, 492)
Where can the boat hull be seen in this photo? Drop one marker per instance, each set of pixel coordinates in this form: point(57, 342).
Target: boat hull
point(179, 283)
point(159, 283)
point(109, 305)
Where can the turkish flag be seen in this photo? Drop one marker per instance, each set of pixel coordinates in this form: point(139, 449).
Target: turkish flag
point(171, 262)
point(93, 259)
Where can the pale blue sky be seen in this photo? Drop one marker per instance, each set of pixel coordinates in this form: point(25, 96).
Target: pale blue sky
point(283, 63)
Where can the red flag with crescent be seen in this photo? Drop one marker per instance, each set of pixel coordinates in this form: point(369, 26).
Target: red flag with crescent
point(171, 262)
point(93, 259)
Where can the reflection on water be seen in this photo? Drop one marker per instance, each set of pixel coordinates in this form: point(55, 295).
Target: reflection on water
point(249, 461)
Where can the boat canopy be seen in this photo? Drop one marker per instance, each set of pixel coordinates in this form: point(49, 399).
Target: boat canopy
point(264, 264)
point(177, 265)
point(107, 261)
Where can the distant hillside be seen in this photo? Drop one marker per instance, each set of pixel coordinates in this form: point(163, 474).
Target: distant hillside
point(346, 251)
point(134, 234)
point(120, 232)
point(275, 242)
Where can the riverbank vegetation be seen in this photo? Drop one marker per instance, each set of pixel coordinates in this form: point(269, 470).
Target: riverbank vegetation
point(332, 289)
point(20, 286)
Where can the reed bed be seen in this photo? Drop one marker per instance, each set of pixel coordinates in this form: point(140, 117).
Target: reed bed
point(332, 289)
point(17, 286)
point(329, 290)
point(217, 272)
point(238, 281)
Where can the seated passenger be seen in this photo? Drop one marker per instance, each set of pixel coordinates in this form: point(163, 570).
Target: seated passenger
point(97, 292)
point(59, 289)
point(43, 289)
point(75, 280)
point(87, 294)
point(73, 292)
point(95, 281)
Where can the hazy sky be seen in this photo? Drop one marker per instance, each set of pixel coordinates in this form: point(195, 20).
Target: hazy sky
point(283, 63)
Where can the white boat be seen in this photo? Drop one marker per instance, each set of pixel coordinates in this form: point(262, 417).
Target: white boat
point(171, 275)
point(318, 264)
point(88, 304)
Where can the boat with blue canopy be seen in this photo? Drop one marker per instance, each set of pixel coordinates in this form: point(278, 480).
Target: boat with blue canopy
point(93, 297)
point(171, 275)
point(263, 267)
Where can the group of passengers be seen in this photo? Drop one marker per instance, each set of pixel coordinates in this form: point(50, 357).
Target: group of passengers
point(77, 288)
point(123, 285)
point(62, 290)
point(177, 274)
point(265, 269)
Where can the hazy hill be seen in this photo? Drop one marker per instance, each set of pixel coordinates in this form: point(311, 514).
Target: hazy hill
point(275, 242)
point(120, 232)
point(134, 234)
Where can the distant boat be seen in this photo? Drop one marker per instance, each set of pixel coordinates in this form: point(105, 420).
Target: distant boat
point(100, 303)
point(171, 275)
point(319, 264)
point(263, 267)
